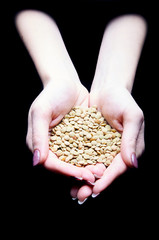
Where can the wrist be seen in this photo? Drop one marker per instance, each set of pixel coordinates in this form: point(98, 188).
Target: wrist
point(117, 85)
point(111, 82)
point(120, 81)
point(106, 90)
point(60, 79)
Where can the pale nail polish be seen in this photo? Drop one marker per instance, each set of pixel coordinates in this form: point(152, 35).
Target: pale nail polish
point(74, 198)
point(134, 160)
point(94, 195)
point(36, 157)
point(81, 202)
point(79, 178)
point(92, 183)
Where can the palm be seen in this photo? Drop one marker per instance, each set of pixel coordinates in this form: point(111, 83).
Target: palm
point(58, 99)
point(122, 112)
point(112, 104)
point(57, 103)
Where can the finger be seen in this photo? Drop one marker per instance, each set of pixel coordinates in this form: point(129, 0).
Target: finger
point(74, 192)
point(115, 169)
point(132, 132)
point(40, 128)
point(140, 146)
point(83, 193)
point(29, 134)
point(54, 164)
point(97, 169)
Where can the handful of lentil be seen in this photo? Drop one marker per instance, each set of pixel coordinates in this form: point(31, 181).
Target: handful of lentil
point(84, 137)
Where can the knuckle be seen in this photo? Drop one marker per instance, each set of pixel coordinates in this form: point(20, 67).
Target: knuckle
point(137, 116)
point(140, 115)
point(34, 110)
point(39, 110)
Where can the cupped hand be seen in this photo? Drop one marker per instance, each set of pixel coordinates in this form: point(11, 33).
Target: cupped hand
point(122, 113)
point(48, 109)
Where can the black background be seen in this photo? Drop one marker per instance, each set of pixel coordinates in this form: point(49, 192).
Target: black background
point(34, 194)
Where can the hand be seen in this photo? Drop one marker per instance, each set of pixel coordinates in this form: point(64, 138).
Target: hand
point(116, 67)
point(47, 110)
point(122, 113)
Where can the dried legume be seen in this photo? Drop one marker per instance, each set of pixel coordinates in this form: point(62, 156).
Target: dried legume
point(84, 137)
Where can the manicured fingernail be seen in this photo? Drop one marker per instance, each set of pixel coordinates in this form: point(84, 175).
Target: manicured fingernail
point(134, 160)
point(94, 195)
point(81, 202)
point(79, 178)
point(74, 198)
point(36, 157)
point(92, 183)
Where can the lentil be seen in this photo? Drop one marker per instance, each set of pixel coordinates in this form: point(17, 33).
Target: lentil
point(84, 137)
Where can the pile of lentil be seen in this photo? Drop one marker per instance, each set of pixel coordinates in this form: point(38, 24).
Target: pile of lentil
point(84, 137)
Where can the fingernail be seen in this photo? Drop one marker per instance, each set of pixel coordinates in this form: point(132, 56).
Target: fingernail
point(134, 160)
point(81, 202)
point(79, 178)
point(74, 198)
point(94, 195)
point(92, 183)
point(36, 157)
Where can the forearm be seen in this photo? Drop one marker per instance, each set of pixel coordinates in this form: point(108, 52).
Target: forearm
point(46, 47)
point(120, 52)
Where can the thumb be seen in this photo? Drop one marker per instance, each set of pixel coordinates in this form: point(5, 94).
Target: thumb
point(40, 145)
point(132, 126)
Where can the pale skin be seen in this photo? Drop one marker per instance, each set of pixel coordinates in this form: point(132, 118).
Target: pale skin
point(111, 92)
